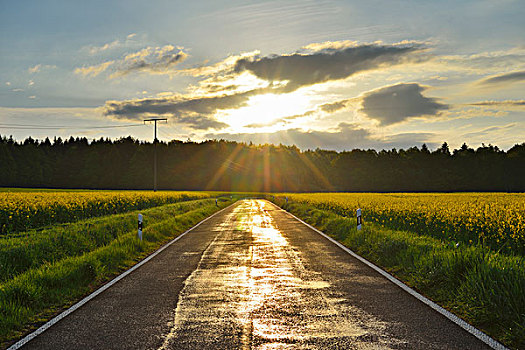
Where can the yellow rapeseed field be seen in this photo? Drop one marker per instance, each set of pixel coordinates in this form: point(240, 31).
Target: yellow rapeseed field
point(493, 219)
point(20, 211)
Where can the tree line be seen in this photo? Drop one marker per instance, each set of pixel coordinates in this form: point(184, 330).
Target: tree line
point(127, 163)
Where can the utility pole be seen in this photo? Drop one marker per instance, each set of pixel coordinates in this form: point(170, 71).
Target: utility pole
point(155, 141)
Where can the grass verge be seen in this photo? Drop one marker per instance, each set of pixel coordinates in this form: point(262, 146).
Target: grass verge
point(39, 292)
point(31, 249)
point(481, 286)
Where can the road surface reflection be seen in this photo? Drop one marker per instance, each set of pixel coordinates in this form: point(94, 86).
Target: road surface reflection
point(252, 290)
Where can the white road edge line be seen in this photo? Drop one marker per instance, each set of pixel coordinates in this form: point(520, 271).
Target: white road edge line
point(458, 321)
point(79, 304)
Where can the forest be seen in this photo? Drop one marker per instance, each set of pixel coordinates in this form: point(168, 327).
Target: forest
point(127, 163)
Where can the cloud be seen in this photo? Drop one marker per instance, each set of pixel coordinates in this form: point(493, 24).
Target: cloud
point(408, 139)
point(279, 121)
point(393, 104)
point(93, 50)
point(93, 71)
point(334, 106)
point(117, 43)
point(219, 71)
point(34, 69)
point(505, 78)
point(505, 103)
point(490, 130)
point(39, 67)
point(240, 77)
point(267, 124)
point(333, 45)
point(327, 108)
point(158, 60)
point(484, 62)
point(302, 69)
point(344, 137)
point(176, 105)
point(177, 113)
point(154, 60)
point(194, 111)
point(199, 122)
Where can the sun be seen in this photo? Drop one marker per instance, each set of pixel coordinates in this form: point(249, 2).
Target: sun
point(265, 109)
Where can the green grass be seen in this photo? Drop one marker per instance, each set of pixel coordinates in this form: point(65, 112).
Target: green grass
point(483, 287)
point(105, 247)
point(22, 210)
point(32, 249)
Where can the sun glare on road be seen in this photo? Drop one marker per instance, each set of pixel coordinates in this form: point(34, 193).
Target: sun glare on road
point(251, 279)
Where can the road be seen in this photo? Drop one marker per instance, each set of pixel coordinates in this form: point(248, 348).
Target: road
point(253, 277)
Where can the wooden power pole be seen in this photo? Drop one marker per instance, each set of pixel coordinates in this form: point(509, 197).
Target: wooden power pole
point(155, 141)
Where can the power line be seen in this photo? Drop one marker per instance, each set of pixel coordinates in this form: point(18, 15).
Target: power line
point(165, 134)
point(46, 127)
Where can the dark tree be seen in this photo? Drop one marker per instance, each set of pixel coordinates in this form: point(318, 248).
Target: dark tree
point(127, 163)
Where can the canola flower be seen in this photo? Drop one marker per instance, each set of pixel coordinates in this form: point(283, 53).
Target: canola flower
point(496, 220)
point(20, 211)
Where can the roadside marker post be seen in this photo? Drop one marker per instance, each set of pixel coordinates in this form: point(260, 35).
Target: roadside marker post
point(467, 327)
point(359, 219)
point(104, 287)
point(140, 227)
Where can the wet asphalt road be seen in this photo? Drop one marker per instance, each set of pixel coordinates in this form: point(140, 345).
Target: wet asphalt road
point(253, 277)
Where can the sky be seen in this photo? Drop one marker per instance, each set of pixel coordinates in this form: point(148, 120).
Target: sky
point(327, 74)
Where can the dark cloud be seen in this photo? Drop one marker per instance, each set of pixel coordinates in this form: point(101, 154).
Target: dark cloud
point(334, 106)
point(199, 122)
point(346, 137)
point(216, 88)
point(158, 60)
point(197, 111)
point(393, 104)
point(163, 63)
point(505, 78)
point(160, 63)
point(301, 69)
point(176, 105)
point(506, 103)
point(193, 111)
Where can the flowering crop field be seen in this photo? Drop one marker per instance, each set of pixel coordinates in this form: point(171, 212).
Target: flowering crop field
point(23, 210)
point(496, 220)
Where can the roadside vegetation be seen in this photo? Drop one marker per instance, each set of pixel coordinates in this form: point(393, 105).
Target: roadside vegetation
point(43, 271)
point(480, 279)
point(23, 210)
point(465, 251)
point(495, 220)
